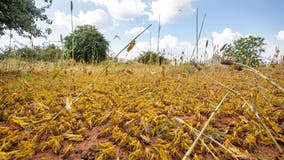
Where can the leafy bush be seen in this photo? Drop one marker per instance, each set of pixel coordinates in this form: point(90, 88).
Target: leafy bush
point(4, 53)
point(26, 53)
point(150, 57)
point(245, 50)
point(50, 53)
point(89, 44)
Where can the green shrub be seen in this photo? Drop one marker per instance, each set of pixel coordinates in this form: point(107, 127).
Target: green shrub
point(245, 50)
point(89, 44)
point(50, 53)
point(149, 57)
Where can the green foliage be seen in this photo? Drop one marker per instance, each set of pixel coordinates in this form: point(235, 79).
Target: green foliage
point(50, 53)
point(150, 57)
point(21, 15)
point(26, 53)
point(89, 44)
point(245, 50)
point(4, 53)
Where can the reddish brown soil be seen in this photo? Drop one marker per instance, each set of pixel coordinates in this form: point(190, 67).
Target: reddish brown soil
point(269, 152)
point(82, 148)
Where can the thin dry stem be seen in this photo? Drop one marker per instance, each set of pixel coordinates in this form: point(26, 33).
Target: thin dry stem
point(251, 108)
point(209, 150)
point(105, 68)
point(246, 102)
point(208, 137)
point(262, 76)
point(189, 151)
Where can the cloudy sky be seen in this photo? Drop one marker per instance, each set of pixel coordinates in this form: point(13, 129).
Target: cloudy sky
point(226, 21)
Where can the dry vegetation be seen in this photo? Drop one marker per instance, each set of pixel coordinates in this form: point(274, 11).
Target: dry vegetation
point(138, 112)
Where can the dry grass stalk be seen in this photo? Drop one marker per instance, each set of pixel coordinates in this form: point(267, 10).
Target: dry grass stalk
point(189, 151)
point(227, 62)
point(196, 131)
point(68, 105)
point(197, 66)
point(248, 104)
point(223, 47)
point(238, 68)
point(209, 150)
point(254, 95)
point(230, 62)
point(106, 72)
point(163, 71)
point(131, 45)
point(206, 44)
point(262, 76)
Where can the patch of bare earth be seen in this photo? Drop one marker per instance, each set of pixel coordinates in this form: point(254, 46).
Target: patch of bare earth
point(80, 149)
point(269, 152)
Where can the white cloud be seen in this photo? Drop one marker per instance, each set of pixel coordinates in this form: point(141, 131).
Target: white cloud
point(280, 35)
point(269, 50)
point(123, 9)
point(134, 31)
point(79, 1)
point(61, 19)
point(226, 36)
point(169, 10)
point(16, 41)
point(172, 42)
point(20, 41)
point(98, 18)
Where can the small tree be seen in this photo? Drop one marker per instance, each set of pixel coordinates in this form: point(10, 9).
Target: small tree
point(21, 15)
point(245, 50)
point(89, 44)
point(150, 57)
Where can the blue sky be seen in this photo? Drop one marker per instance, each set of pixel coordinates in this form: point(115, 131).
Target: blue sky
point(226, 21)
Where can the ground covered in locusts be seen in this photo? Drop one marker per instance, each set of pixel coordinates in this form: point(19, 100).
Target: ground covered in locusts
point(138, 112)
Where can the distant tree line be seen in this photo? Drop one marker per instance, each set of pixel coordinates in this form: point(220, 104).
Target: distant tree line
point(50, 53)
point(87, 44)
